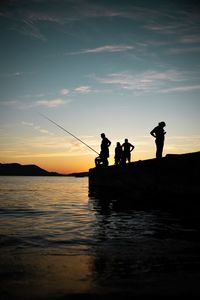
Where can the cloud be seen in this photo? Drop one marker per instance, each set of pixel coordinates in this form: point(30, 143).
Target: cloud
point(51, 103)
point(27, 18)
point(36, 127)
point(187, 88)
point(38, 16)
point(76, 9)
point(154, 81)
point(176, 19)
point(83, 89)
point(42, 130)
point(106, 48)
point(10, 103)
point(183, 50)
point(27, 123)
point(190, 39)
point(165, 29)
point(19, 104)
point(15, 74)
point(64, 92)
point(149, 81)
point(27, 27)
point(46, 145)
point(183, 144)
point(94, 9)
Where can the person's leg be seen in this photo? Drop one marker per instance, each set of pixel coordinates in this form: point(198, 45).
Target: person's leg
point(105, 161)
point(159, 150)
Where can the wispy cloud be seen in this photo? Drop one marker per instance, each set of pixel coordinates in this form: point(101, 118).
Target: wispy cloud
point(190, 39)
point(51, 103)
point(178, 20)
point(30, 104)
point(29, 17)
point(65, 92)
point(45, 144)
point(36, 127)
point(83, 89)
point(183, 144)
point(187, 88)
point(10, 103)
point(149, 81)
point(14, 74)
point(27, 123)
point(170, 28)
point(105, 48)
point(27, 27)
point(183, 50)
point(33, 96)
point(125, 10)
point(78, 9)
point(38, 16)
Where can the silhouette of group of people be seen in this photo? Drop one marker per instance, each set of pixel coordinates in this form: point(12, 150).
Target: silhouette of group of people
point(123, 152)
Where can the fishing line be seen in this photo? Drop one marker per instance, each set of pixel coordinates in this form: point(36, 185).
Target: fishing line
point(69, 133)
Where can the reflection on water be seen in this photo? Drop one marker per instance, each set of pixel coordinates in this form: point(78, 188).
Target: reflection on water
point(52, 234)
point(44, 212)
point(142, 251)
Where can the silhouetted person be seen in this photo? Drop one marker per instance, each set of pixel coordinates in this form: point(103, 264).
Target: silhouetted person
point(159, 134)
point(127, 148)
point(104, 154)
point(118, 154)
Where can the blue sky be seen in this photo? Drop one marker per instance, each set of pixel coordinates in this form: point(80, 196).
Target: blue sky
point(118, 67)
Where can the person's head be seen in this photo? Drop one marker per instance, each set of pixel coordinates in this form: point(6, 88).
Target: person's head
point(118, 144)
point(126, 140)
point(162, 124)
point(103, 135)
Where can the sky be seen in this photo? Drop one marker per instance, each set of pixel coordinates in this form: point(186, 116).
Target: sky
point(113, 67)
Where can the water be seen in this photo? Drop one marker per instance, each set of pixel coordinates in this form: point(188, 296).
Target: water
point(54, 236)
point(50, 213)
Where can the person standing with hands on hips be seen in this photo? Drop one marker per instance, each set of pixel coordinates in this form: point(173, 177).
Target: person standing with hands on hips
point(159, 134)
point(127, 149)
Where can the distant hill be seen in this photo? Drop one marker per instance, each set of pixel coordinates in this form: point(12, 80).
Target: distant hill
point(80, 174)
point(16, 169)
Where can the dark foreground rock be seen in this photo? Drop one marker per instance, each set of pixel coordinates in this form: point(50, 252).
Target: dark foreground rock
point(173, 178)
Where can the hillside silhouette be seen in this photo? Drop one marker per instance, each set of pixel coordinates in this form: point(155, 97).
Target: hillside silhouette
point(15, 169)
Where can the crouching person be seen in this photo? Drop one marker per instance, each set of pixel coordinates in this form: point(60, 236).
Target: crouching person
point(104, 154)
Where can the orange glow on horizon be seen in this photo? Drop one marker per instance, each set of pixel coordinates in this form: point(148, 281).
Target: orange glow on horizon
point(69, 164)
point(82, 163)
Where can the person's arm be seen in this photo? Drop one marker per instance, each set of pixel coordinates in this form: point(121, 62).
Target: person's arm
point(153, 133)
point(132, 147)
point(109, 143)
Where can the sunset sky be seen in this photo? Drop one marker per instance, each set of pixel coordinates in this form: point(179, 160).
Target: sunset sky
point(117, 67)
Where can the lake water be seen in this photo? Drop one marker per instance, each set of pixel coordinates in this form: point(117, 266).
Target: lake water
point(55, 240)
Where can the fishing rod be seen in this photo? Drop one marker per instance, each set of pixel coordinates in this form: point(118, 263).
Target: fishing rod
point(69, 133)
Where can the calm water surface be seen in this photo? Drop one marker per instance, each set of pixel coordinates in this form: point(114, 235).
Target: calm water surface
point(50, 213)
point(122, 247)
